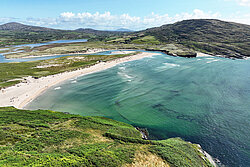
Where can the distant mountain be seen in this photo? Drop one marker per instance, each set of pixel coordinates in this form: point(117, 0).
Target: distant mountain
point(13, 26)
point(88, 30)
point(99, 32)
point(206, 35)
point(124, 30)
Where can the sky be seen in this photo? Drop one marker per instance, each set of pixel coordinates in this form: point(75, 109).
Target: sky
point(116, 14)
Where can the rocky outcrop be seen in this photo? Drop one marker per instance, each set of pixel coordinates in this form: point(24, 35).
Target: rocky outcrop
point(188, 54)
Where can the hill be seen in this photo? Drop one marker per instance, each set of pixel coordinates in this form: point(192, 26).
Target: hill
point(16, 33)
point(47, 138)
point(100, 32)
point(14, 26)
point(124, 30)
point(185, 38)
point(206, 35)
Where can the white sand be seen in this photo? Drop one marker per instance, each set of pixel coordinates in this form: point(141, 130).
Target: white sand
point(122, 52)
point(199, 54)
point(21, 94)
point(89, 51)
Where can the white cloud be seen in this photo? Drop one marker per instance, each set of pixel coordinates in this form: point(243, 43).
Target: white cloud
point(108, 21)
point(43, 22)
point(239, 18)
point(244, 2)
point(7, 19)
point(240, 2)
point(67, 14)
point(98, 20)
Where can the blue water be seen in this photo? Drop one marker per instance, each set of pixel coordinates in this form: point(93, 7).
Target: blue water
point(203, 100)
point(51, 42)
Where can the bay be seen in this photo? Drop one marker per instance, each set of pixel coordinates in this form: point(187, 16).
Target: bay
point(204, 100)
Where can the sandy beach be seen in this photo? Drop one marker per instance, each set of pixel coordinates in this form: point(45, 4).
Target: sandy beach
point(23, 93)
point(199, 54)
point(90, 51)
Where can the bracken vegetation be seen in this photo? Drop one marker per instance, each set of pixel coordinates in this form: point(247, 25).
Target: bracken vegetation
point(210, 36)
point(214, 37)
point(47, 138)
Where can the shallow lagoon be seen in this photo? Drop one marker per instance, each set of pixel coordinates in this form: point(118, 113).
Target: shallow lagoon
point(16, 47)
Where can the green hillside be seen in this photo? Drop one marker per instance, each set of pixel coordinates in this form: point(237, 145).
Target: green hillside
point(47, 138)
point(209, 36)
point(15, 33)
point(185, 38)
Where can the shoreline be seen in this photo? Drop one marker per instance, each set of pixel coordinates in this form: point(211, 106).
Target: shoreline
point(199, 54)
point(208, 156)
point(91, 51)
point(23, 93)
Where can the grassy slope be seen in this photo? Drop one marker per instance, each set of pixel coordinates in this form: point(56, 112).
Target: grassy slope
point(47, 138)
point(209, 36)
point(10, 71)
point(150, 42)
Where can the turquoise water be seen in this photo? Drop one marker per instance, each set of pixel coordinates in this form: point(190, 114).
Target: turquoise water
point(51, 42)
point(203, 100)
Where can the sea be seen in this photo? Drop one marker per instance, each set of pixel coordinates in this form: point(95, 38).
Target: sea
point(204, 100)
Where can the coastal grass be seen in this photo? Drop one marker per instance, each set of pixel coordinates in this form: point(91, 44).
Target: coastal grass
point(11, 71)
point(146, 40)
point(9, 83)
point(62, 48)
point(30, 138)
point(48, 138)
point(145, 158)
point(179, 153)
point(126, 42)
